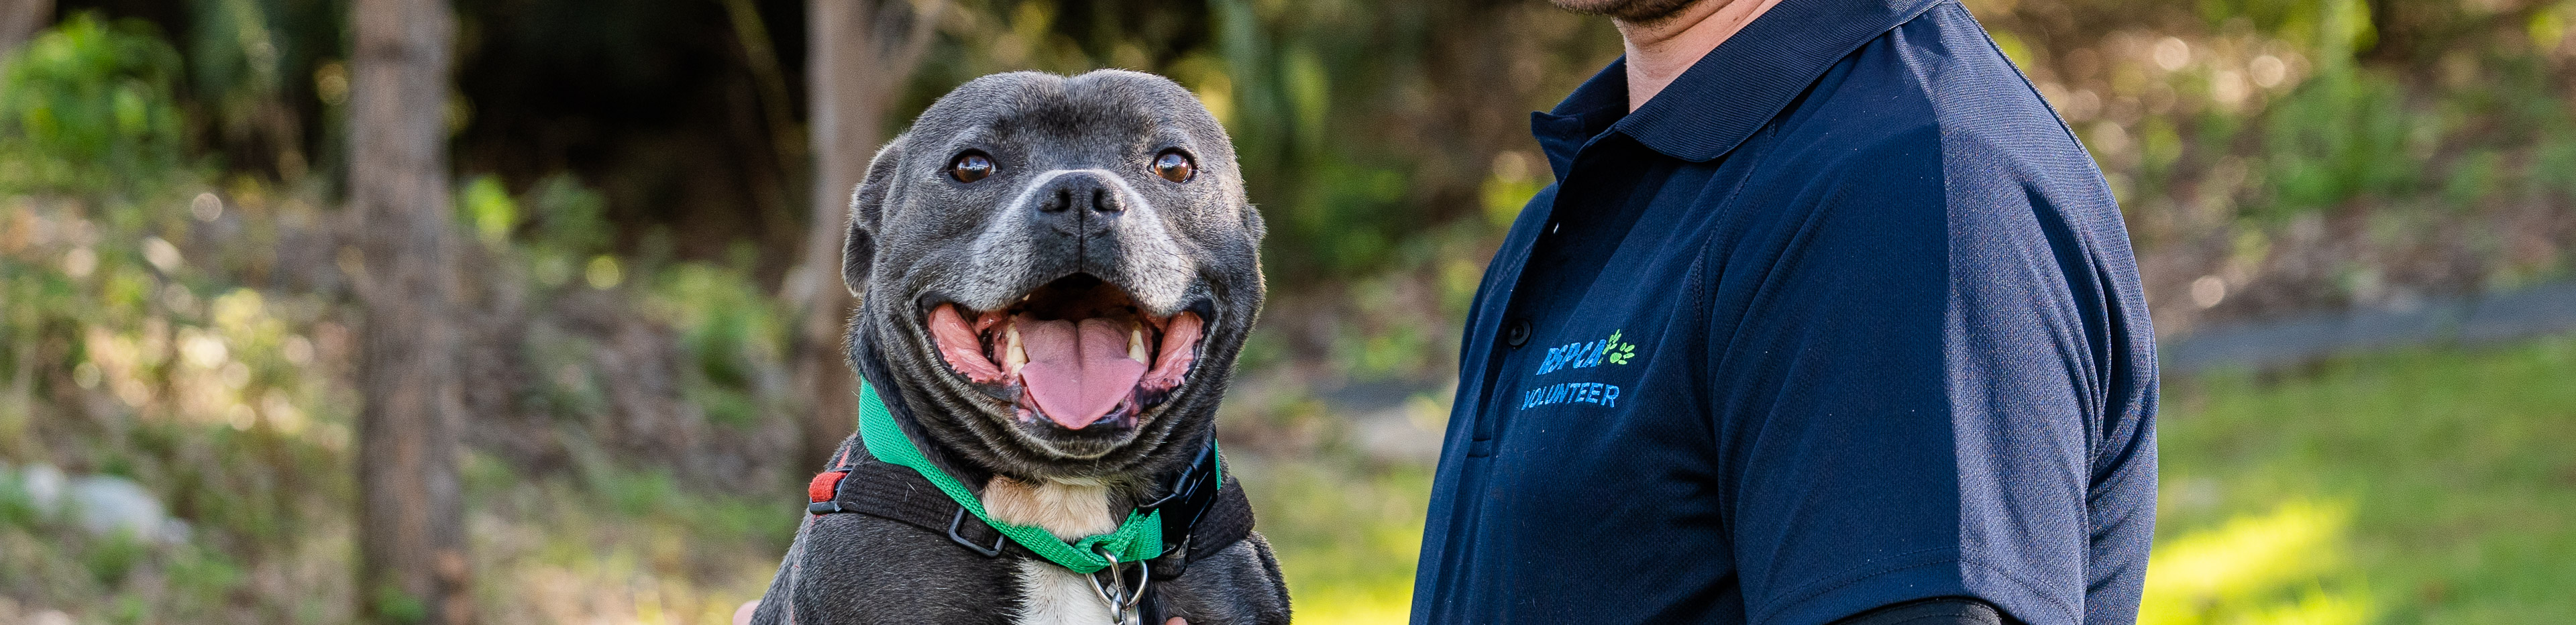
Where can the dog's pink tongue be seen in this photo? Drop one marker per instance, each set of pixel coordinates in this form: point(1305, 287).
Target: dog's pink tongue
point(1077, 373)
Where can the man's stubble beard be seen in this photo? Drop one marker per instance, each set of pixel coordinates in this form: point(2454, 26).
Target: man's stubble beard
point(1640, 12)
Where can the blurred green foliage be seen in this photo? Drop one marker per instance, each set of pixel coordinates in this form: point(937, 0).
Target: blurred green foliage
point(88, 107)
point(2332, 141)
point(728, 331)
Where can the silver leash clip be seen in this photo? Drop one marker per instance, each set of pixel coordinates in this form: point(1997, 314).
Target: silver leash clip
point(1121, 599)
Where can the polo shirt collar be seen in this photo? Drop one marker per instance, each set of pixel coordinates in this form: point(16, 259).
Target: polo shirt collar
point(1729, 93)
point(1587, 113)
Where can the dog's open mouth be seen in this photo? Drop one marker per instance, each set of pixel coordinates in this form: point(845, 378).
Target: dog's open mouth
point(1077, 351)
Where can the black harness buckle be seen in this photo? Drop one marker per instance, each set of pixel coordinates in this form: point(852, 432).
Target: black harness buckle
point(960, 521)
point(1192, 491)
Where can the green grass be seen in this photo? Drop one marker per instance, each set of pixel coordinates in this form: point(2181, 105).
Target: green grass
point(1346, 534)
point(2423, 486)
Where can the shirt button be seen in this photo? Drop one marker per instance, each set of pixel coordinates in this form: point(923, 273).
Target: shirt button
point(1517, 333)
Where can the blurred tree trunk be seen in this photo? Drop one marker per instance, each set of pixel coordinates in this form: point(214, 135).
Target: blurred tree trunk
point(20, 19)
point(2398, 27)
point(411, 547)
point(860, 55)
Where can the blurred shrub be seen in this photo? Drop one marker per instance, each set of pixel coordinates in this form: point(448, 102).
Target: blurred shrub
point(487, 211)
point(2342, 135)
point(249, 61)
point(730, 333)
point(568, 233)
point(2276, 157)
point(558, 228)
point(87, 106)
point(569, 217)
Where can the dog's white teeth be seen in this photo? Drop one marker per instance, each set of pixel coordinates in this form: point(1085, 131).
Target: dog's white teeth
point(1136, 345)
point(1012, 354)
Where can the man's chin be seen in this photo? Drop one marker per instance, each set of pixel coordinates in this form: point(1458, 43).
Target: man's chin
point(1637, 11)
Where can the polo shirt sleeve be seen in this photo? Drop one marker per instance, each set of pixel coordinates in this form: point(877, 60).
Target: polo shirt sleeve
point(1907, 405)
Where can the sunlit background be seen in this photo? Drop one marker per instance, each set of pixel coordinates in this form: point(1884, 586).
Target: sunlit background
point(2355, 219)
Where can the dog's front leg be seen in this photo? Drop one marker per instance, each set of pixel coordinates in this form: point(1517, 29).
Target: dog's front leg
point(861, 570)
point(1240, 585)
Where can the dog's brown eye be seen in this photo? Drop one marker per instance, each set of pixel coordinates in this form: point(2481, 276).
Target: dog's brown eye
point(970, 167)
point(1174, 166)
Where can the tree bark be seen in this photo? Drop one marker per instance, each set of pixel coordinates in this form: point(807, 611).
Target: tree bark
point(859, 55)
point(19, 21)
point(411, 547)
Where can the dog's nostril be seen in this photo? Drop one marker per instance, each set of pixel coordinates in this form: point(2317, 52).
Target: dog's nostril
point(1100, 201)
point(1063, 200)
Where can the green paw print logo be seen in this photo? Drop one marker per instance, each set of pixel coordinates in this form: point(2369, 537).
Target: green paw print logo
point(1618, 353)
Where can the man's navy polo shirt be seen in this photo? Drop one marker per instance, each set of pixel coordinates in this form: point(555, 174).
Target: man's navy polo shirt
point(1842, 318)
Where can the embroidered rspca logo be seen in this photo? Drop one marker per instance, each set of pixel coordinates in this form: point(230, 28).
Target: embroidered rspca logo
point(1588, 354)
point(1583, 355)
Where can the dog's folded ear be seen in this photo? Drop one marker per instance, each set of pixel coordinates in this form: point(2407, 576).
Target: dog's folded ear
point(867, 207)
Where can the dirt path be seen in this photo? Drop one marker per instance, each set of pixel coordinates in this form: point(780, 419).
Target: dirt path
point(2258, 345)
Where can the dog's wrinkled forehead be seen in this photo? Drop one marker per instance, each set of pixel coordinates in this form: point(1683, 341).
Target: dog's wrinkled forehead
point(1095, 119)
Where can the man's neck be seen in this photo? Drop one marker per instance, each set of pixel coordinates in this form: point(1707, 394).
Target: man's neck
point(1660, 50)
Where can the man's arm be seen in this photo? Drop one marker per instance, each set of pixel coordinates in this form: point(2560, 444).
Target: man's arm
point(1912, 393)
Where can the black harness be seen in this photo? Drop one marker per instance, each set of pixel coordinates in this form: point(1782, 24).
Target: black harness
point(1203, 513)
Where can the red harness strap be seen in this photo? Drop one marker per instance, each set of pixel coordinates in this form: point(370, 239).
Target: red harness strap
point(825, 486)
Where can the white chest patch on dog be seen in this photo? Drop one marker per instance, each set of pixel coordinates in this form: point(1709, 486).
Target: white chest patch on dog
point(1052, 595)
point(1068, 510)
point(1049, 594)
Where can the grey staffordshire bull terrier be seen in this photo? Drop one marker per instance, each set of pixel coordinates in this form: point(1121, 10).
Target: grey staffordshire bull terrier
point(1055, 276)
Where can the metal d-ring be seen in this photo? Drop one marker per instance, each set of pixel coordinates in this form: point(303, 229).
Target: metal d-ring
point(1144, 576)
point(1122, 601)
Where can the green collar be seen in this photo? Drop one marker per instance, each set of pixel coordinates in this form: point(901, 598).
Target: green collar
point(1139, 538)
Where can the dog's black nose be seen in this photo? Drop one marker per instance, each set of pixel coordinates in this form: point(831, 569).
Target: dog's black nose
point(1077, 192)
